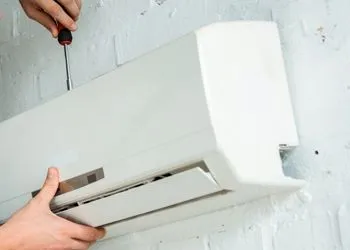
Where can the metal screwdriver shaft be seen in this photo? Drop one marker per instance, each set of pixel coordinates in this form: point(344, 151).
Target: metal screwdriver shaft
point(66, 56)
point(65, 39)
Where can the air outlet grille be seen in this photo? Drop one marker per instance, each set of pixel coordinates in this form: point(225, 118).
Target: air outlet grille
point(200, 164)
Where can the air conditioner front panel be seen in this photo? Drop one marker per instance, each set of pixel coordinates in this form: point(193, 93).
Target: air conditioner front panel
point(135, 110)
point(214, 96)
point(142, 199)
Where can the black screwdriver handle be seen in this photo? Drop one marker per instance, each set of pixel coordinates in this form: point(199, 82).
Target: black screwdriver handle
point(64, 35)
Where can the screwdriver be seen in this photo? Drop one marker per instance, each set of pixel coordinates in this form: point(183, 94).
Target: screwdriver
point(65, 39)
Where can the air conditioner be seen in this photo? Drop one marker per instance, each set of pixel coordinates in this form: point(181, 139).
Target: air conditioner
point(194, 126)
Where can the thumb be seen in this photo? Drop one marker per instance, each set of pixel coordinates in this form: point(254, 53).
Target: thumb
point(50, 187)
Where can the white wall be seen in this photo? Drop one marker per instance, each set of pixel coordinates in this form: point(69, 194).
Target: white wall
point(315, 38)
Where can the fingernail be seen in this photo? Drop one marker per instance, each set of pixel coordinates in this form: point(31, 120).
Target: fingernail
point(53, 31)
point(74, 26)
point(51, 173)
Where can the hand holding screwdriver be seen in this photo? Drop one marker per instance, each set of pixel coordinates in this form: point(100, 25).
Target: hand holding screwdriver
point(48, 12)
point(59, 17)
point(65, 38)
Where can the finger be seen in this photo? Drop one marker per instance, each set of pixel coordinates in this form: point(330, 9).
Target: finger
point(49, 188)
point(44, 19)
point(57, 13)
point(78, 245)
point(71, 7)
point(85, 233)
point(34, 13)
point(79, 4)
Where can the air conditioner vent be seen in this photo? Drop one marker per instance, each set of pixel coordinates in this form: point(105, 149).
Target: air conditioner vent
point(201, 165)
point(158, 192)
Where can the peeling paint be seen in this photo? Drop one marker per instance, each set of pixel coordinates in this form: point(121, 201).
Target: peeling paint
point(160, 2)
point(100, 4)
point(172, 13)
point(15, 23)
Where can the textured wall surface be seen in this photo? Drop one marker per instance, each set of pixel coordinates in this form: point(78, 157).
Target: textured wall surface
point(316, 45)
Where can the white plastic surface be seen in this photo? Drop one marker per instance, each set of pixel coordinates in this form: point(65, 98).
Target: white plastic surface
point(176, 189)
point(217, 95)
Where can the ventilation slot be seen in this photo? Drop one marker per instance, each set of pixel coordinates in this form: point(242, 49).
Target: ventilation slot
point(174, 187)
point(200, 165)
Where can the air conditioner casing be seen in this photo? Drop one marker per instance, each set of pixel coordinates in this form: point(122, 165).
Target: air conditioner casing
point(194, 126)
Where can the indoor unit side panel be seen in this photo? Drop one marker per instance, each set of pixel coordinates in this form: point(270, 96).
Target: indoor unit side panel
point(275, 67)
point(239, 92)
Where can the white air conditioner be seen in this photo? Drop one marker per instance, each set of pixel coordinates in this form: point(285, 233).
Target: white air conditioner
point(192, 127)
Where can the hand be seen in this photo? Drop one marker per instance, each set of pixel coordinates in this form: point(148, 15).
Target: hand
point(36, 227)
point(47, 12)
